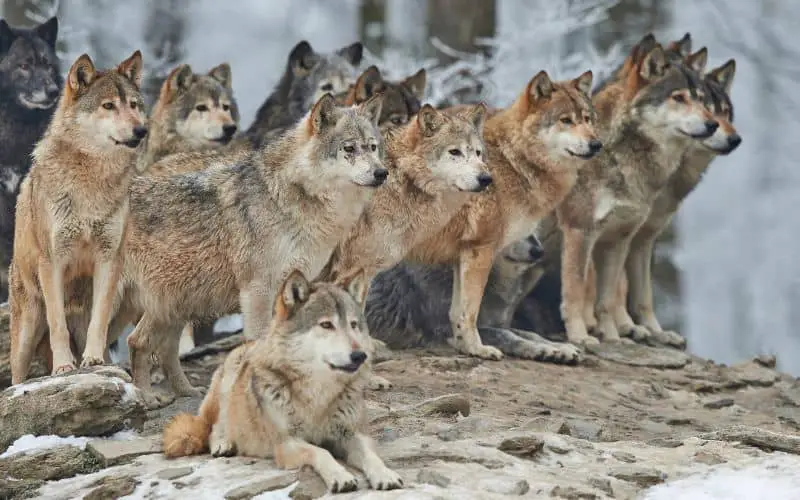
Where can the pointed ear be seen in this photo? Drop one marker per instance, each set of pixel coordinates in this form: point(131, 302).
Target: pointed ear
point(352, 53)
point(368, 84)
point(357, 285)
point(584, 82)
point(131, 68)
point(178, 80)
point(294, 292)
point(48, 31)
point(416, 83)
point(724, 75)
point(540, 87)
point(81, 74)
point(372, 108)
point(323, 114)
point(476, 115)
point(698, 60)
point(429, 120)
point(654, 64)
point(222, 74)
point(6, 36)
point(302, 58)
point(682, 47)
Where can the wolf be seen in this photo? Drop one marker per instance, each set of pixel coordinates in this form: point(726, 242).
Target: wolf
point(651, 117)
point(401, 100)
point(535, 149)
point(193, 112)
point(220, 239)
point(296, 393)
point(72, 212)
point(30, 83)
point(308, 75)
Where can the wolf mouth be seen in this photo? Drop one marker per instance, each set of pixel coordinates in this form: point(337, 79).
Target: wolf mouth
point(348, 368)
point(37, 104)
point(222, 140)
point(131, 143)
point(585, 156)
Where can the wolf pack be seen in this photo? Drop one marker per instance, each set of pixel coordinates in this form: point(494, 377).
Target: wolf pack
point(342, 215)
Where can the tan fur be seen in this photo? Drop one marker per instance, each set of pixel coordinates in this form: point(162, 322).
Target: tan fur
point(72, 213)
point(270, 400)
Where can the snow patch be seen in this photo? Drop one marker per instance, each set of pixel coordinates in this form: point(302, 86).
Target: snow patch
point(29, 443)
point(229, 324)
point(282, 494)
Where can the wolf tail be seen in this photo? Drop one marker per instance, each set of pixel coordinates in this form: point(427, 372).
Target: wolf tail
point(186, 435)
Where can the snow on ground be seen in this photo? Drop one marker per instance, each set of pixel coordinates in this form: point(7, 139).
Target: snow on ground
point(229, 324)
point(282, 494)
point(776, 476)
point(30, 443)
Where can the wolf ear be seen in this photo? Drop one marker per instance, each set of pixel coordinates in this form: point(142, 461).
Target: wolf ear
point(724, 75)
point(222, 74)
point(540, 87)
point(372, 108)
point(368, 83)
point(698, 60)
point(416, 83)
point(48, 31)
point(178, 80)
point(682, 47)
point(356, 284)
point(584, 82)
point(654, 64)
point(352, 53)
point(476, 115)
point(81, 74)
point(429, 120)
point(131, 68)
point(323, 114)
point(302, 58)
point(294, 292)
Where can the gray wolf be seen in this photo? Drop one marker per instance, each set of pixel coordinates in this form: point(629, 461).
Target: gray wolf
point(296, 393)
point(401, 100)
point(649, 117)
point(30, 83)
point(193, 112)
point(308, 75)
point(221, 238)
point(72, 212)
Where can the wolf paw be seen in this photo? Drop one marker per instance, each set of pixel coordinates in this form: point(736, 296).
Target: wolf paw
point(63, 368)
point(385, 479)
point(560, 353)
point(582, 340)
point(154, 400)
point(221, 447)
point(88, 361)
point(343, 483)
point(484, 352)
point(670, 338)
point(378, 383)
point(637, 333)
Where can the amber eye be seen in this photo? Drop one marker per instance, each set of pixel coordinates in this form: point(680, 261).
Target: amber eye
point(678, 98)
point(349, 149)
point(201, 107)
point(566, 120)
point(108, 105)
point(354, 324)
point(326, 325)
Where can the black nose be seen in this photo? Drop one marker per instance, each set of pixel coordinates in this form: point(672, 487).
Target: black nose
point(52, 92)
point(711, 126)
point(139, 132)
point(734, 141)
point(229, 130)
point(380, 174)
point(358, 357)
point(484, 179)
point(536, 252)
point(595, 145)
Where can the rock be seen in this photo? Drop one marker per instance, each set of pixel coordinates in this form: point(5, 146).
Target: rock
point(791, 395)
point(642, 476)
point(112, 487)
point(639, 355)
point(766, 360)
point(449, 404)
point(603, 484)
point(505, 486)
point(573, 493)
point(309, 485)
point(523, 447)
point(759, 438)
point(708, 458)
point(38, 368)
point(429, 476)
point(623, 456)
point(262, 486)
point(175, 473)
point(557, 445)
point(556, 425)
point(665, 442)
point(719, 403)
point(752, 373)
point(465, 427)
point(87, 403)
point(113, 452)
point(50, 464)
point(582, 429)
point(10, 488)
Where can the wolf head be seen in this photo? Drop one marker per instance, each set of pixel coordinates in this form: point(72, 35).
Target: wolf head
point(29, 69)
point(315, 74)
point(345, 144)
point(200, 108)
point(103, 109)
point(452, 146)
point(401, 100)
point(525, 251)
point(718, 83)
point(558, 115)
point(320, 327)
point(667, 98)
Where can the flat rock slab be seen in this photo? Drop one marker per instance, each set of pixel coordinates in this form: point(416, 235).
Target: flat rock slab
point(49, 464)
point(91, 402)
point(640, 355)
point(114, 452)
point(261, 486)
point(759, 438)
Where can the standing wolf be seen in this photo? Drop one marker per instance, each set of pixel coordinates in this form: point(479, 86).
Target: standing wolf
point(30, 83)
point(209, 242)
point(72, 212)
point(295, 391)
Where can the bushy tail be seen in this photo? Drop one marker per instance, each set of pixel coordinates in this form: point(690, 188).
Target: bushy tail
point(186, 435)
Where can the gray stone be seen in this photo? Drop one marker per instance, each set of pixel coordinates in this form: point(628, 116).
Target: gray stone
point(759, 438)
point(110, 487)
point(573, 493)
point(582, 429)
point(465, 427)
point(639, 355)
point(175, 473)
point(766, 360)
point(113, 452)
point(262, 486)
point(642, 476)
point(719, 403)
point(429, 476)
point(791, 395)
point(49, 465)
point(556, 425)
point(603, 484)
point(523, 446)
point(752, 373)
point(623, 456)
point(506, 486)
point(708, 458)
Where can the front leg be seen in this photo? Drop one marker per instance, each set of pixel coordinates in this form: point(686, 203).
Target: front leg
point(360, 453)
point(104, 288)
point(293, 453)
point(528, 345)
point(609, 261)
point(256, 301)
point(469, 280)
point(51, 279)
point(575, 256)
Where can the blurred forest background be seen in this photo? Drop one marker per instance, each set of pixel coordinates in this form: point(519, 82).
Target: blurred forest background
point(727, 273)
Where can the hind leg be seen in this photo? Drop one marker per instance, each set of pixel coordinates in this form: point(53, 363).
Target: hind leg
point(625, 324)
point(589, 317)
point(530, 346)
point(140, 350)
point(169, 357)
point(27, 329)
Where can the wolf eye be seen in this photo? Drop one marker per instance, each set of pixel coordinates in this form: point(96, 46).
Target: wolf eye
point(478, 153)
point(225, 107)
point(201, 107)
point(349, 149)
point(373, 147)
point(354, 324)
point(678, 98)
point(326, 325)
point(327, 87)
point(24, 66)
point(455, 152)
point(134, 104)
point(566, 120)
point(108, 105)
